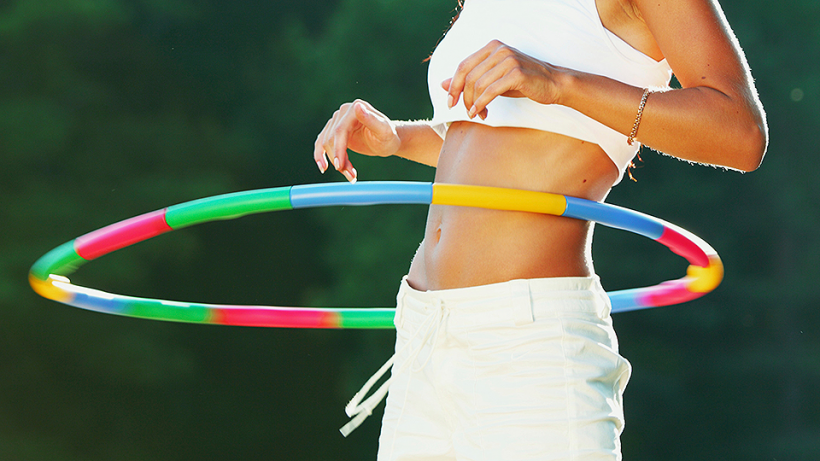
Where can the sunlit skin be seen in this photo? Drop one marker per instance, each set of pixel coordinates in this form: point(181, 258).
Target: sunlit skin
point(715, 118)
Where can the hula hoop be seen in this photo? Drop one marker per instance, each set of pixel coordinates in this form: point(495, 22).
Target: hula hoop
point(48, 274)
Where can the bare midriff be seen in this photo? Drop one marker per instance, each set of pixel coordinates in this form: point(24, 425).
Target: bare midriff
point(465, 246)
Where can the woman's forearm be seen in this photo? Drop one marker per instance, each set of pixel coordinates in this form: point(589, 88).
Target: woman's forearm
point(699, 124)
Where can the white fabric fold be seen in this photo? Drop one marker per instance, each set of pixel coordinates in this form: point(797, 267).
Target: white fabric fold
point(359, 410)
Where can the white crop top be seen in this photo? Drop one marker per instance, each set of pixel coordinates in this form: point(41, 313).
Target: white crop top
point(566, 33)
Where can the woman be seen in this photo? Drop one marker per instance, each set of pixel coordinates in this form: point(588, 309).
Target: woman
point(505, 347)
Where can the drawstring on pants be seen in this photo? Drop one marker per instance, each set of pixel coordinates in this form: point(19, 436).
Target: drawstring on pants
point(358, 410)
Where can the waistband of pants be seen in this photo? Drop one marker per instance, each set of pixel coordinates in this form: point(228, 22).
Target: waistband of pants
point(522, 300)
point(518, 302)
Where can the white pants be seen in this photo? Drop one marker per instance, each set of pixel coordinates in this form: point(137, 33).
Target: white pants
point(521, 370)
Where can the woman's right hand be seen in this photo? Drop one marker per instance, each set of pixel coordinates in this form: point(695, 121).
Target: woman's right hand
point(359, 127)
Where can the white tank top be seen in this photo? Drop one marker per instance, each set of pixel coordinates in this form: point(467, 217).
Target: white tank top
point(566, 33)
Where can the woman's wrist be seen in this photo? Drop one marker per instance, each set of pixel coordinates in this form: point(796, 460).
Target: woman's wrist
point(418, 142)
point(566, 85)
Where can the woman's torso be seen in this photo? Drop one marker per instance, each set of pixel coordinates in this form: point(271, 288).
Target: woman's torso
point(471, 246)
point(565, 33)
point(466, 246)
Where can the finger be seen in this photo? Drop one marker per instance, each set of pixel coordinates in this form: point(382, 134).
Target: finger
point(341, 136)
point(450, 99)
point(495, 82)
point(336, 137)
point(485, 73)
point(464, 68)
point(330, 139)
point(480, 106)
point(482, 72)
point(319, 155)
point(339, 149)
point(351, 174)
point(327, 133)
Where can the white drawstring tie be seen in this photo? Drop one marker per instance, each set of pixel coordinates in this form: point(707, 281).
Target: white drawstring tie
point(359, 410)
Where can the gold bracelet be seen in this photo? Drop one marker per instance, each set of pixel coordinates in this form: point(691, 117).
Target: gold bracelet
point(631, 137)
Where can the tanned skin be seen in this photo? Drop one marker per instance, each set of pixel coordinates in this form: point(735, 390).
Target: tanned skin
point(715, 118)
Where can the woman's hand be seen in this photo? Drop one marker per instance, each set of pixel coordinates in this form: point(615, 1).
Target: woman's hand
point(500, 70)
point(359, 127)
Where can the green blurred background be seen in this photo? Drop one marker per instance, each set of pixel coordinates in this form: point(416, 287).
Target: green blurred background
point(112, 108)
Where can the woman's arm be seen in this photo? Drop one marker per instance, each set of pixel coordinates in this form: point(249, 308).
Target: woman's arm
point(716, 118)
point(358, 126)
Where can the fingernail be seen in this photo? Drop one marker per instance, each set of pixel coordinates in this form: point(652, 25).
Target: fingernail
point(336, 163)
point(472, 112)
point(450, 101)
point(350, 175)
point(321, 169)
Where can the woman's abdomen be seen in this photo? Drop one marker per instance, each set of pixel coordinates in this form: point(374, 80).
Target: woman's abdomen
point(466, 246)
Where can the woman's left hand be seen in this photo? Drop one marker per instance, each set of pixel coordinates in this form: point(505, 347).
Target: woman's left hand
point(500, 70)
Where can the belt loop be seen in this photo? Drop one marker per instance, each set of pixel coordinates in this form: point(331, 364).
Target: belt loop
point(603, 305)
point(521, 302)
point(605, 309)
